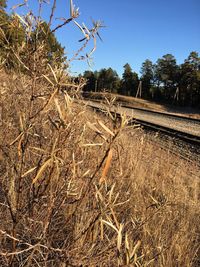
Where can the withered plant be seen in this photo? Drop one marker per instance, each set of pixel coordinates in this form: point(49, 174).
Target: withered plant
point(78, 188)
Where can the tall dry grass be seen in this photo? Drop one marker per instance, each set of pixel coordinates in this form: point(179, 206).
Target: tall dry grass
point(81, 189)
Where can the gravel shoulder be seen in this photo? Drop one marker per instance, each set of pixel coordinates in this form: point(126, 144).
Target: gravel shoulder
point(165, 120)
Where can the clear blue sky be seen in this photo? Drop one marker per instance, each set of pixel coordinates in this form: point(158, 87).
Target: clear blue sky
point(135, 30)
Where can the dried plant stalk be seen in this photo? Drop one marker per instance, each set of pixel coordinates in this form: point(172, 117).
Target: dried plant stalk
point(106, 167)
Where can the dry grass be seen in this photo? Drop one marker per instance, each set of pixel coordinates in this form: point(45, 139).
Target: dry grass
point(81, 189)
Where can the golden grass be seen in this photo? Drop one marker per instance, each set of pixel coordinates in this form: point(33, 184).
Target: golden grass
point(79, 188)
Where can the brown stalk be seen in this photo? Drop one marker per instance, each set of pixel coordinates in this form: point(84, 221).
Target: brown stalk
point(106, 167)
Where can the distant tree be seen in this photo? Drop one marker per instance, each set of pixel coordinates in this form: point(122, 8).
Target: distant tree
point(113, 80)
point(108, 79)
point(16, 43)
point(91, 81)
point(194, 60)
point(4, 17)
point(3, 4)
point(166, 73)
point(102, 79)
point(12, 37)
point(147, 77)
point(129, 82)
point(189, 80)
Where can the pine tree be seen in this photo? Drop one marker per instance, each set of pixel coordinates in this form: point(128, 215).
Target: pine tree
point(3, 4)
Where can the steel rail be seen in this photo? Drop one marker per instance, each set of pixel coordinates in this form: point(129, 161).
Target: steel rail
point(184, 128)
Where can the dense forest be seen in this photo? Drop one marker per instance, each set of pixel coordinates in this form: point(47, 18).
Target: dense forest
point(165, 81)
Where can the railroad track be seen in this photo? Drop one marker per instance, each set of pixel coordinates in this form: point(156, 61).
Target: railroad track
point(184, 128)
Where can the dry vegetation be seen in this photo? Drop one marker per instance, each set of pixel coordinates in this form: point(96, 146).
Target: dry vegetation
point(81, 189)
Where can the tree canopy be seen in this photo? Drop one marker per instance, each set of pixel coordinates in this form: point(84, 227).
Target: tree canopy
point(3, 4)
point(129, 81)
point(165, 81)
point(16, 42)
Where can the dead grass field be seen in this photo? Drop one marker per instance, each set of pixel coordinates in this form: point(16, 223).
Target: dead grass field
point(81, 189)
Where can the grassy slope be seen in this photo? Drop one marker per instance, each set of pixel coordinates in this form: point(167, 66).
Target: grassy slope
point(88, 191)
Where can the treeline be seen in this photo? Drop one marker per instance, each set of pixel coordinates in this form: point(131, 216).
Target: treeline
point(165, 81)
point(21, 37)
